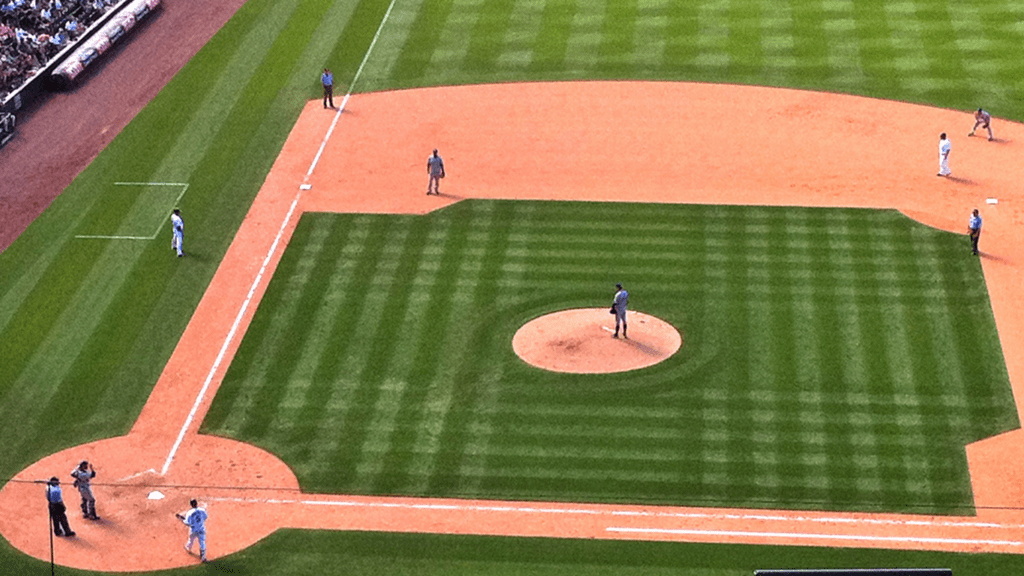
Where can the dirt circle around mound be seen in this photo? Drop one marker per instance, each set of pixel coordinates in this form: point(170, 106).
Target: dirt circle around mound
point(581, 341)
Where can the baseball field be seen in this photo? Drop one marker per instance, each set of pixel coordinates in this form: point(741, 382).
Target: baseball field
point(841, 347)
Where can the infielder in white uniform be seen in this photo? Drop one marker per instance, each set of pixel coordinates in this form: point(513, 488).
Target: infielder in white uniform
point(177, 232)
point(435, 167)
point(83, 475)
point(944, 148)
point(983, 119)
point(195, 519)
point(619, 307)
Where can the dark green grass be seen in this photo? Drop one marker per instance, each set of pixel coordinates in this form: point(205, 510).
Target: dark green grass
point(87, 326)
point(833, 358)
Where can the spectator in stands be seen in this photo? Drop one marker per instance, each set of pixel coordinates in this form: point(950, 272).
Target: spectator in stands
point(73, 28)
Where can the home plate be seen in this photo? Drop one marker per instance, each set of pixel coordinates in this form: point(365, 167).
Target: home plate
point(156, 495)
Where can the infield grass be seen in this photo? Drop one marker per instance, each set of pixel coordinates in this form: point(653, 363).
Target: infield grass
point(87, 326)
point(833, 358)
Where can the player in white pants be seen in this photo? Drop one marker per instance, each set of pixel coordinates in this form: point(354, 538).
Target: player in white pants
point(944, 148)
point(177, 232)
point(984, 120)
point(195, 519)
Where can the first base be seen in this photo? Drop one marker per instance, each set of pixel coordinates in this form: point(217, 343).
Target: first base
point(305, 186)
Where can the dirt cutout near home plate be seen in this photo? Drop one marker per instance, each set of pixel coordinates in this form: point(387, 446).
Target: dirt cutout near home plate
point(585, 341)
point(598, 141)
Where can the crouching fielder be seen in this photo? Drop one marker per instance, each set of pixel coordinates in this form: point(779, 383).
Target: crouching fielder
point(984, 120)
point(195, 519)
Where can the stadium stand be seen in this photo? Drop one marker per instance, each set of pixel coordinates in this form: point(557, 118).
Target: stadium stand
point(47, 44)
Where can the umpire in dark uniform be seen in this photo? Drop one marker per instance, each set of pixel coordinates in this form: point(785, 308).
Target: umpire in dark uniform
point(58, 512)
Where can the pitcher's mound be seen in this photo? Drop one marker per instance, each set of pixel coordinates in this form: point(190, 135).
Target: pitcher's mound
point(580, 341)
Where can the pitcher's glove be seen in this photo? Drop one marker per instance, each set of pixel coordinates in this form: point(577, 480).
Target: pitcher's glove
point(612, 311)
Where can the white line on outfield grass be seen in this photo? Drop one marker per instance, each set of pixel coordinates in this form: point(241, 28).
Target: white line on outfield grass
point(804, 536)
point(650, 513)
point(323, 144)
point(184, 187)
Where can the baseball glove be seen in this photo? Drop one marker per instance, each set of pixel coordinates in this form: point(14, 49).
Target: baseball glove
point(612, 311)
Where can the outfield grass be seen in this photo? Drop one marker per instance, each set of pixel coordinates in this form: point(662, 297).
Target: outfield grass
point(86, 326)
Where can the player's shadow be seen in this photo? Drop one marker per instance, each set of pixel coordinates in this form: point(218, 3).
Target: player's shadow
point(994, 257)
point(650, 351)
point(961, 180)
point(1001, 141)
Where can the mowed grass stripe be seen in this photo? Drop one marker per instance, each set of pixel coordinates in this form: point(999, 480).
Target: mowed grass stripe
point(552, 40)
point(290, 336)
point(426, 29)
point(484, 348)
point(378, 373)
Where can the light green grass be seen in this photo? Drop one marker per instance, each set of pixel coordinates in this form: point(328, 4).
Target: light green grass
point(87, 326)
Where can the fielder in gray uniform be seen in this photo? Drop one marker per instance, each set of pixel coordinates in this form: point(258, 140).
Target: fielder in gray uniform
point(984, 120)
point(619, 307)
point(435, 167)
point(83, 475)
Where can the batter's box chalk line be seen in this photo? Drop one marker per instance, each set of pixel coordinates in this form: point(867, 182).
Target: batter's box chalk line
point(177, 200)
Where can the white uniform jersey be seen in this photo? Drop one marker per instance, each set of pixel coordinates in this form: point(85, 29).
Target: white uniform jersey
point(176, 223)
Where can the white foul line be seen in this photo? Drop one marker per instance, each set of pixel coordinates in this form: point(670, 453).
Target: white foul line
point(344, 101)
point(796, 535)
point(230, 336)
point(650, 513)
point(266, 262)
